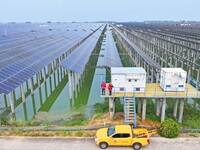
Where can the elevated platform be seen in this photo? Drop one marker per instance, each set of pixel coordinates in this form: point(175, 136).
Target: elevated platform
point(153, 90)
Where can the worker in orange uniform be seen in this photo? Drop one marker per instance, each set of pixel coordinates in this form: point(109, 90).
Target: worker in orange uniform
point(103, 87)
point(110, 86)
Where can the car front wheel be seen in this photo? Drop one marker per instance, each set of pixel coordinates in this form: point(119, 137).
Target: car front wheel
point(137, 146)
point(103, 145)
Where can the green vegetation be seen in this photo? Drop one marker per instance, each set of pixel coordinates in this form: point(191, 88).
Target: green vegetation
point(79, 133)
point(46, 133)
point(4, 120)
point(191, 117)
point(102, 107)
point(77, 121)
point(150, 113)
point(19, 123)
point(193, 134)
point(51, 99)
point(66, 133)
point(169, 129)
point(98, 115)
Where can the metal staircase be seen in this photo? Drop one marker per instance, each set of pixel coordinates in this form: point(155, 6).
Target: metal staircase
point(129, 111)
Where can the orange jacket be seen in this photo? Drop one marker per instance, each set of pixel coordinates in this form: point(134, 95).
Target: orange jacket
point(103, 85)
point(110, 86)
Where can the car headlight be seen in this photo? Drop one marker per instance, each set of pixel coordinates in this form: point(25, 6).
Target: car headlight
point(96, 139)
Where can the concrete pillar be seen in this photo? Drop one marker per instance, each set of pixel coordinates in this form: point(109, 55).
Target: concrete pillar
point(152, 75)
point(50, 83)
point(44, 75)
point(175, 108)
point(53, 66)
point(12, 102)
point(73, 81)
point(163, 109)
point(70, 84)
point(79, 78)
point(181, 111)
point(157, 76)
point(5, 101)
point(14, 95)
point(58, 74)
point(27, 85)
point(61, 73)
point(144, 105)
point(197, 85)
point(111, 107)
point(176, 62)
point(166, 59)
point(38, 79)
point(158, 107)
point(22, 93)
point(49, 69)
point(31, 85)
point(148, 72)
point(76, 76)
point(139, 106)
point(189, 73)
point(162, 58)
point(170, 61)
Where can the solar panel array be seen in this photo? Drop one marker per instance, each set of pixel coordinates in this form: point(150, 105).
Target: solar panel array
point(78, 59)
point(24, 52)
point(111, 57)
point(150, 61)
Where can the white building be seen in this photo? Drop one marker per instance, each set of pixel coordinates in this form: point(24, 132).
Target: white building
point(132, 79)
point(173, 79)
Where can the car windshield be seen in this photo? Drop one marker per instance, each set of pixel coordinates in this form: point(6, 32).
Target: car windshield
point(111, 131)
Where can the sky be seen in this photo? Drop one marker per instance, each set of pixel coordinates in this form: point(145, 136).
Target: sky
point(98, 10)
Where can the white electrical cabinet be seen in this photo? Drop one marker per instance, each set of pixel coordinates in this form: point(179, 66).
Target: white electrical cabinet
point(173, 79)
point(130, 79)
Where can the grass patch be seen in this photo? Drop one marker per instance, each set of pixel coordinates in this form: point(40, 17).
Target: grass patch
point(193, 134)
point(191, 117)
point(150, 113)
point(46, 133)
point(79, 133)
point(18, 123)
point(98, 115)
point(77, 122)
point(118, 106)
point(66, 133)
point(101, 107)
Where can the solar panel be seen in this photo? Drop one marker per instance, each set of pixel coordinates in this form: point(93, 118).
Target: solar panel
point(78, 59)
point(111, 57)
point(22, 57)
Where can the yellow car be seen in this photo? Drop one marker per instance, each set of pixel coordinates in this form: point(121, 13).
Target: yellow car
point(122, 135)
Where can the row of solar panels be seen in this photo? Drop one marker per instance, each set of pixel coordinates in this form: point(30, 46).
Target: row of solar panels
point(78, 59)
point(142, 54)
point(13, 29)
point(20, 60)
point(111, 58)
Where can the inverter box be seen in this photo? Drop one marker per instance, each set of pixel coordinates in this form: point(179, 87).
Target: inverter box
point(173, 79)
